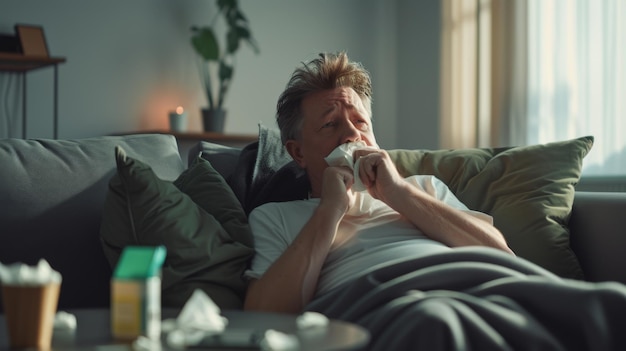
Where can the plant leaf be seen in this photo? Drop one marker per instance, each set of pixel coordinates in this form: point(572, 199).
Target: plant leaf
point(226, 71)
point(240, 16)
point(232, 38)
point(253, 45)
point(226, 4)
point(242, 32)
point(234, 17)
point(205, 43)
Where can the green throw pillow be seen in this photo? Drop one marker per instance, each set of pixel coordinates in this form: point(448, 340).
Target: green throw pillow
point(197, 218)
point(529, 191)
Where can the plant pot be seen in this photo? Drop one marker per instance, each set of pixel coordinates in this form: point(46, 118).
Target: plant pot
point(213, 120)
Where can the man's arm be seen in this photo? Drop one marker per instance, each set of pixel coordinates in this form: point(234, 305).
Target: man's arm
point(433, 217)
point(290, 282)
point(444, 223)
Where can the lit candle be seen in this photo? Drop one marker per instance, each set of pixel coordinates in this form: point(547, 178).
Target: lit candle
point(178, 120)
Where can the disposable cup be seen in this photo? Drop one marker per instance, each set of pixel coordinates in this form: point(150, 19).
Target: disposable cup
point(29, 313)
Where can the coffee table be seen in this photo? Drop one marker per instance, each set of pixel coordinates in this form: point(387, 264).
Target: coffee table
point(93, 329)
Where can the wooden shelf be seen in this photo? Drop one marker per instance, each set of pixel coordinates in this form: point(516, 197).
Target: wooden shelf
point(212, 136)
point(218, 138)
point(12, 62)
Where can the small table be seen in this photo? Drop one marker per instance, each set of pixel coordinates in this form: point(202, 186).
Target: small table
point(12, 62)
point(93, 329)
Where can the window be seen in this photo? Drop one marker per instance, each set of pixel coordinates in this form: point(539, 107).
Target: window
point(522, 72)
point(577, 77)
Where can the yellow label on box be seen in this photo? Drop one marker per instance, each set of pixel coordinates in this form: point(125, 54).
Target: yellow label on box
point(135, 308)
point(126, 308)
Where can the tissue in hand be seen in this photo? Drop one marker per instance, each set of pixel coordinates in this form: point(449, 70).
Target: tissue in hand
point(343, 155)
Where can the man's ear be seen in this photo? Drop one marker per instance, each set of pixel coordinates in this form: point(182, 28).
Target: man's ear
point(293, 148)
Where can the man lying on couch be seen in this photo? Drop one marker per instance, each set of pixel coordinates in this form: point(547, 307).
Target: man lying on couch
point(402, 256)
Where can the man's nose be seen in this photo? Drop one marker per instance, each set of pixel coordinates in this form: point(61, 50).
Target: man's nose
point(350, 133)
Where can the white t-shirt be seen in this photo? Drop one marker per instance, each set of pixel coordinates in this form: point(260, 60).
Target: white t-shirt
point(377, 234)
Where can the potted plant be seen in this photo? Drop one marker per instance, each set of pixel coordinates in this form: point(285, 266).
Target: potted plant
point(217, 63)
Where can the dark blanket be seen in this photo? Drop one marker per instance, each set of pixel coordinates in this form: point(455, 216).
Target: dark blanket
point(478, 299)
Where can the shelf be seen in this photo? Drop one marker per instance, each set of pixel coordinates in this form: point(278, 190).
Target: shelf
point(12, 62)
point(218, 138)
point(212, 136)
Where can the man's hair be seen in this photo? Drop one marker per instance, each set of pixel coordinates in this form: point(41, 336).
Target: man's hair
point(328, 71)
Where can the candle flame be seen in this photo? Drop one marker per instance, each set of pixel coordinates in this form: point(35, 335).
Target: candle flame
point(179, 110)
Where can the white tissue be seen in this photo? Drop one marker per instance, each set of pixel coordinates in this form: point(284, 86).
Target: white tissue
point(143, 343)
point(343, 155)
point(23, 274)
point(312, 320)
point(64, 321)
point(200, 317)
point(64, 329)
point(275, 340)
point(200, 312)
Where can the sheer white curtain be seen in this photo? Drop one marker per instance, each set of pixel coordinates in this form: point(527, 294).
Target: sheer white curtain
point(577, 77)
point(483, 72)
point(557, 70)
point(459, 78)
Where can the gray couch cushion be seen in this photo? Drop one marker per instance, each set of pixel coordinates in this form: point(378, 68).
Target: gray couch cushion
point(51, 198)
point(598, 236)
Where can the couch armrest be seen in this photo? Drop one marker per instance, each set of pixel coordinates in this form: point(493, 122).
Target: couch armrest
point(598, 234)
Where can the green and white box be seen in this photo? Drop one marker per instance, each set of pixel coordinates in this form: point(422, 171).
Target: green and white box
point(136, 293)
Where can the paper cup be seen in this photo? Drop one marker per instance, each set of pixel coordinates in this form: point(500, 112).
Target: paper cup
point(29, 313)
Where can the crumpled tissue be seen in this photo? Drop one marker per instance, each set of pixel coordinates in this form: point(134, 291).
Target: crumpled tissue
point(143, 343)
point(275, 340)
point(343, 155)
point(311, 319)
point(199, 318)
point(64, 327)
point(64, 320)
point(24, 275)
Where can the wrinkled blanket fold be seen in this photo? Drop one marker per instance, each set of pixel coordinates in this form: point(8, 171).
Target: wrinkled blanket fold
point(478, 299)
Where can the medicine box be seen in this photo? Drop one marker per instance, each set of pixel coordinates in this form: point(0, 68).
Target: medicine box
point(136, 293)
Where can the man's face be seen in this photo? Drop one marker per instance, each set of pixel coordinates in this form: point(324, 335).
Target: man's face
point(330, 118)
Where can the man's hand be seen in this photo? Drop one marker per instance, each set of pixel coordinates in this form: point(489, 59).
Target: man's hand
point(378, 173)
point(337, 182)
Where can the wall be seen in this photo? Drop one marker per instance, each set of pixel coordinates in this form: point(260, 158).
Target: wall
point(130, 62)
point(418, 85)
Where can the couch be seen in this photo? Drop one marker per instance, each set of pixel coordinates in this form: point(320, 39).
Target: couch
point(54, 195)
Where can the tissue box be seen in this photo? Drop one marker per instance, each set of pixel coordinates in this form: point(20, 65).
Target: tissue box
point(136, 293)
